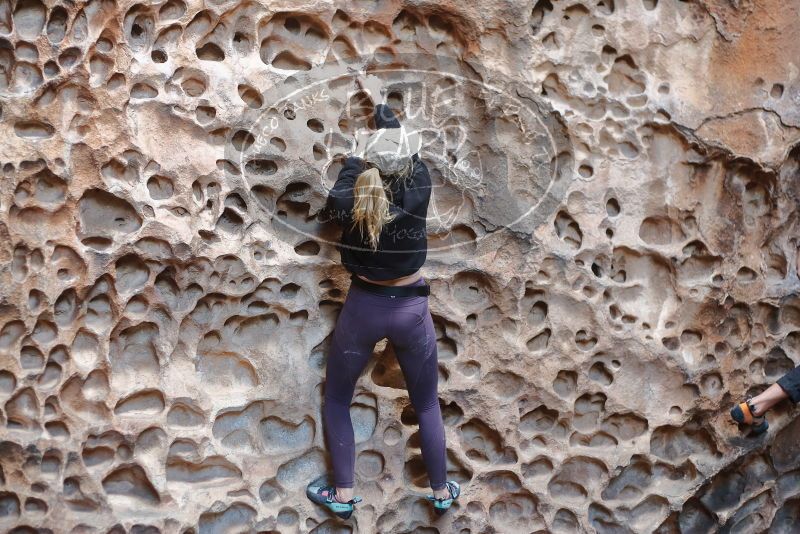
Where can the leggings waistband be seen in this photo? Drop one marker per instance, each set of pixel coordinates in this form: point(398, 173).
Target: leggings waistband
point(416, 289)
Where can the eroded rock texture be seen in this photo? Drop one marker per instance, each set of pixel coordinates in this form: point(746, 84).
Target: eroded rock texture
point(168, 293)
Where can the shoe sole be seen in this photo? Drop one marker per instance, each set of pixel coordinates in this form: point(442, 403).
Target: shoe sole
point(757, 430)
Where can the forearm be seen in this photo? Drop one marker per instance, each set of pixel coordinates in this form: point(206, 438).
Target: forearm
point(418, 191)
point(385, 117)
point(340, 197)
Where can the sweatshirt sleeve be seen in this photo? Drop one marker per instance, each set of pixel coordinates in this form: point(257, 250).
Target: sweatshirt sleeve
point(385, 118)
point(339, 206)
point(418, 193)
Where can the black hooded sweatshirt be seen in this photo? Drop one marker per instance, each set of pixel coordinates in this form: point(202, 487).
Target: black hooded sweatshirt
point(403, 242)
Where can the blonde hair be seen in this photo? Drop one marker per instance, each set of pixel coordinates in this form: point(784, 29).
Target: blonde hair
point(371, 205)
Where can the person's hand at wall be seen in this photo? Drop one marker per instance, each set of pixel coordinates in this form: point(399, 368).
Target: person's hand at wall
point(373, 86)
point(362, 140)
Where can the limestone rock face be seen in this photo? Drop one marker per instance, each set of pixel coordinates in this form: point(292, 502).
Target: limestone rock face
point(613, 236)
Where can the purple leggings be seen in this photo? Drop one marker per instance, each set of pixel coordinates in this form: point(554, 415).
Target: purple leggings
point(407, 323)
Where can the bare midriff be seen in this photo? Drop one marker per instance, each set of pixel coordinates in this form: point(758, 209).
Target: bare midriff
point(402, 281)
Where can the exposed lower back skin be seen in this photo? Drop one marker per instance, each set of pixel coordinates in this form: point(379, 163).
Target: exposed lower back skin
point(402, 281)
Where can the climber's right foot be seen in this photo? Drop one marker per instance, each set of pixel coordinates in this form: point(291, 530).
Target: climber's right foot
point(440, 506)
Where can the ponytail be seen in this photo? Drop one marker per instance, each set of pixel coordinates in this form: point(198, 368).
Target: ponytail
point(371, 205)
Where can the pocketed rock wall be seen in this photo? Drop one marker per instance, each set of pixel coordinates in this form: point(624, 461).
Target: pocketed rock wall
point(620, 267)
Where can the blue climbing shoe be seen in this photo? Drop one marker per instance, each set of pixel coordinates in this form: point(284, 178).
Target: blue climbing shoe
point(440, 506)
point(326, 496)
point(742, 413)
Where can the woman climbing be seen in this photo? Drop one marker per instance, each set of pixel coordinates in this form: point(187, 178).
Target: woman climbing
point(381, 201)
point(752, 411)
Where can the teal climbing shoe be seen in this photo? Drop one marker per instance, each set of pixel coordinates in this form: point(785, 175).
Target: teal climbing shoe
point(440, 506)
point(326, 496)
